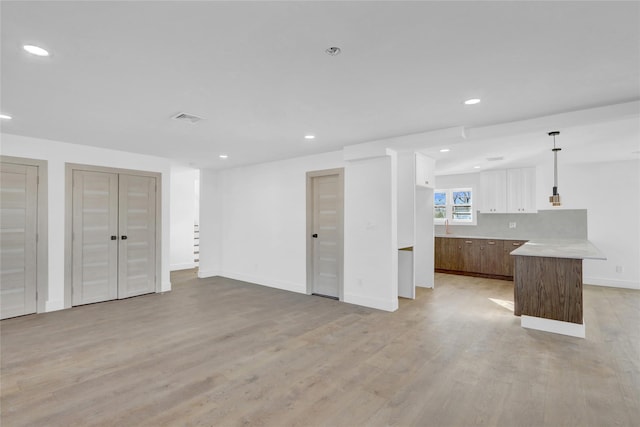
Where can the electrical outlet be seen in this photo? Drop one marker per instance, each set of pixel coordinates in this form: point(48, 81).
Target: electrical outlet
point(619, 269)
point(512, 225)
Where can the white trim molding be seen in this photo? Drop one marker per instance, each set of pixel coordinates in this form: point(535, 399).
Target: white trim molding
point(554, 326)
point(380, 304)
point(611, 283)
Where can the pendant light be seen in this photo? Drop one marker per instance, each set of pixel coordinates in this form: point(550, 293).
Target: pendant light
point(555, 198)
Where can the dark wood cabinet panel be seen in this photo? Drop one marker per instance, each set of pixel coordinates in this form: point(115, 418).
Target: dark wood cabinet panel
point(440, 252)
point(508, 260)
point(471, 255)
point(453, 254)
point(484, 257)
point(548, 287)
point(447, 253)
point(492, 257)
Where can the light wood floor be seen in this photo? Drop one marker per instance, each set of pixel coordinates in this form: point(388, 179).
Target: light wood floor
point(217, 352)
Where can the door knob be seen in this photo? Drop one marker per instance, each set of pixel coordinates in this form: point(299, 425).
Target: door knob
point(114, 237)
point(315, 236)
point(123, 237)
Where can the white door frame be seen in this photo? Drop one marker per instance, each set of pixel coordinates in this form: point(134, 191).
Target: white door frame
point(310, 240)
point(68, 239)
point(42, 232)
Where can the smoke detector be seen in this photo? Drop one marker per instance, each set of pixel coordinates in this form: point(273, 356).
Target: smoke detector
point(185, 117)
point(333, 51)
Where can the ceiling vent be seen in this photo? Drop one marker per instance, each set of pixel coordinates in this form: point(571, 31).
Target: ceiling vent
point(185, 117)
point(494, 159)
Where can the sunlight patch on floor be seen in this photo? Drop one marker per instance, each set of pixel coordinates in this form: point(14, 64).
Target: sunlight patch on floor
point(503, 303)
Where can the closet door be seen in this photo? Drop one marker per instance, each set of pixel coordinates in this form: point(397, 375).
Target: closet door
point(95, 234)
point(18, 224)
point(137, 225)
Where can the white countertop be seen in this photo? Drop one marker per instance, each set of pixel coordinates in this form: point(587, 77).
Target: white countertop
point(560, 248)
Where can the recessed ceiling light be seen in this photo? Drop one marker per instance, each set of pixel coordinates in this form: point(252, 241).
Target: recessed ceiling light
point(5, 117)
point(35, 50)
point(223, 156)
point(445, 150)
point(476, 167)
point(472, 101)
point(309, 137)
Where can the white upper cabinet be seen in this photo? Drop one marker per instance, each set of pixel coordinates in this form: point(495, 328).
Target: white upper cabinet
point(521, 190)
point(508, 191)
point(493, 188)
point(425, 171)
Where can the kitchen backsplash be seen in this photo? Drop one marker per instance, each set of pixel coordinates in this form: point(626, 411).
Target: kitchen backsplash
point(559, 224)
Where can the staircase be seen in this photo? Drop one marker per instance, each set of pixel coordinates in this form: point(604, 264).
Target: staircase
point(196, 244)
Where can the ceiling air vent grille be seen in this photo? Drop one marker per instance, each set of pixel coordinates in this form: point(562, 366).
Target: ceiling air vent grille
point(185, 117)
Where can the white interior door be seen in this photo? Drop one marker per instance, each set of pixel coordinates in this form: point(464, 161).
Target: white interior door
point(95, 234)
point(327, 235)
point(114, 236)
point(18, 226)
point(137, 224)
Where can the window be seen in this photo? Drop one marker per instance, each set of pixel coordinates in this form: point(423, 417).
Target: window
point(455, 204)
point(440, 205)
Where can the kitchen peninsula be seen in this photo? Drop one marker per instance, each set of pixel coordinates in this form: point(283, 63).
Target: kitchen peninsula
point(548, 284)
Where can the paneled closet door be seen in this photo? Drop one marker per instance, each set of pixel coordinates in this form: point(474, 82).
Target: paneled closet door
point(18, 225)
point(95, 237)
point(137, 225)
point(327, 240)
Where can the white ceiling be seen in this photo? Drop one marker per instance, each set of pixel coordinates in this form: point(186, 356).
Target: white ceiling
point(257, 72)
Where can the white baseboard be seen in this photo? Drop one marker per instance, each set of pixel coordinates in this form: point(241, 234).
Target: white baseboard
point(555, 326)
point(165, 287)
point(278, 284)
point(203, 274)
point(53, 305)
point(380, 304)
point(182, 266)
point(424, 285)
point(611, 283)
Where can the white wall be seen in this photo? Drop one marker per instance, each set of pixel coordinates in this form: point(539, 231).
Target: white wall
point(211, 244)
point(183, 217)
point(57, 154)
point(611, 194)
point(471, 180)
point(371, 234)
point(406, 198)
point(253, 226)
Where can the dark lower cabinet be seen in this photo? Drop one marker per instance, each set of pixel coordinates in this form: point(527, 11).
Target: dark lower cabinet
point(509, 261)
point(471, 254)
point(492, 257)
point(448, 254)
point(483, 257)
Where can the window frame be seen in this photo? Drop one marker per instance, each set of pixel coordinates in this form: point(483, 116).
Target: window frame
point(449, 207)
